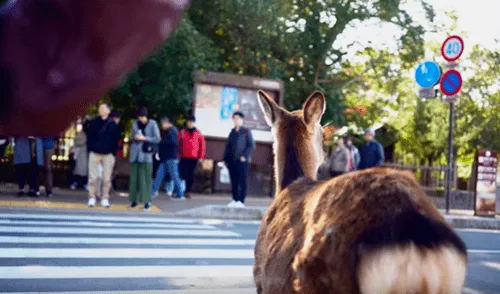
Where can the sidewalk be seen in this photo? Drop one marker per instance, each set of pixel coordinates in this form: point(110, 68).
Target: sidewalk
point(211, 206)
point(66, 199)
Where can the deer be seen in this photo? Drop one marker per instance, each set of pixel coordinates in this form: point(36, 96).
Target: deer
point(367, 232)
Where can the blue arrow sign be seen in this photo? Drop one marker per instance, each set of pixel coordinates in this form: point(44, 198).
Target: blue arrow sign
point(427, 74)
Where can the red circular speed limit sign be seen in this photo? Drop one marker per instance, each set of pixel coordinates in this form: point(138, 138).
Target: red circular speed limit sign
point(452, 48)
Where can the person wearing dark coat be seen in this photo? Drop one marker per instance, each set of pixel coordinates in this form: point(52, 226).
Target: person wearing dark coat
point(168, 153)
point(237, 158)
point(372, 153)
point(103, 135)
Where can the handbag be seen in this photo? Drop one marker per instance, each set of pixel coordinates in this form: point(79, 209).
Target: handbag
point(148, 147)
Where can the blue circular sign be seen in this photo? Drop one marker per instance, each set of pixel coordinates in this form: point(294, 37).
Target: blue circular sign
point(427, 74)
point(451, 83)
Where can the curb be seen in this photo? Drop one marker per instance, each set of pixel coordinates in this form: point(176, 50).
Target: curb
point(257, 212)
point(224, 212)
point(473, 222)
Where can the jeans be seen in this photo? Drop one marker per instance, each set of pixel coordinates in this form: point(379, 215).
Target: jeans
point(170, 167)
point(238, 172)
point(170, 186)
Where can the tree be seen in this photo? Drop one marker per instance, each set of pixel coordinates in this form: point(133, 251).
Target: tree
point(298, 37)
point(164, 80)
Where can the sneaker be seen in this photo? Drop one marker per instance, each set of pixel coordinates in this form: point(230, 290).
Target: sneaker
point(231, 204)
point(20, 193)
point(86, 187)
point(239, 204)
point(147, 206)
point(73, 186)
point(105, 203)
point(170, 194)
point(155, 194)
point(91, 202)
point(133, 205)
point(49, 194)
point(33, 193)
point(182, 198)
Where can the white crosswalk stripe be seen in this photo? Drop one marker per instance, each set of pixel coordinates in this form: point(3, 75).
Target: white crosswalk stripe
point(62, 253)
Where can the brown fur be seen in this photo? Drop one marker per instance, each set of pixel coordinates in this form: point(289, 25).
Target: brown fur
point(306, 240)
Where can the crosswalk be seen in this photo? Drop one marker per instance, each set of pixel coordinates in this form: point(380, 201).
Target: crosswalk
point(42, 253)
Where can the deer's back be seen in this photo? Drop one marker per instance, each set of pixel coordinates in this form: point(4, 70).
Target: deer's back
point(311, 236)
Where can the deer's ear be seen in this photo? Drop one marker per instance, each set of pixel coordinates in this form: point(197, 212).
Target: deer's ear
point(269, 107)
point(314, 108)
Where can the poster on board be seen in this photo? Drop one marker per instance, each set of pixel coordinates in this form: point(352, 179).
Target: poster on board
point(215, 105)
point(486, 175)
point(229, 102)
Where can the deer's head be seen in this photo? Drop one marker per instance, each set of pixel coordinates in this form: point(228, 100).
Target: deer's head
point(298, 138)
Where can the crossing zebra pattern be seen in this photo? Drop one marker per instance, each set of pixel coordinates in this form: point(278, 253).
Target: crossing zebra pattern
point(42, 253)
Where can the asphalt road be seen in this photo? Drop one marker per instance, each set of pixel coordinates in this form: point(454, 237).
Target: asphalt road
point(126, 254)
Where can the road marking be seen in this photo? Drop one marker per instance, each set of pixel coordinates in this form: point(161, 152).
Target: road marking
point(493, 265)
point(176, 291)
point(125, 253)
point(97, 218)
point(118, 231)
point(125, 241)
point(479, 251)
point(67, 205)
point(479, 230)
point(101, 224)
point(98, 272)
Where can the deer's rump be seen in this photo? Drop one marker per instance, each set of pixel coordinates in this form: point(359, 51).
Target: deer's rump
point(367, 232)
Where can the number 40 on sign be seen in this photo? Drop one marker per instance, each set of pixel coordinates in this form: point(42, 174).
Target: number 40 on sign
point(452, 48)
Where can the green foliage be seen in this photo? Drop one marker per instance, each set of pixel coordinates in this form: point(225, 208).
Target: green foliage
point(293, 40)
point(164, 80)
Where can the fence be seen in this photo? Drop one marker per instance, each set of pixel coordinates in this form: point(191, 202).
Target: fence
point(431, 178)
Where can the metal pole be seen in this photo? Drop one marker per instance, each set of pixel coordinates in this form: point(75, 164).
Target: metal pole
point(450, 156)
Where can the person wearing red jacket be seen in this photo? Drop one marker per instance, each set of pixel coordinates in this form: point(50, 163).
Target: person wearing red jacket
point(192, 151)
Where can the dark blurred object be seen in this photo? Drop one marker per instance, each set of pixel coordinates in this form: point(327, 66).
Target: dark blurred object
point(58, 57)
point(4, 141)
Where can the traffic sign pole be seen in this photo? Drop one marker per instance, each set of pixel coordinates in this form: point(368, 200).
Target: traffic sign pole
point(451, 83)
point(449, 174)
point(427, 75)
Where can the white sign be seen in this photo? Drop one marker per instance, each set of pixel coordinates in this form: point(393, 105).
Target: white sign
point(452, 48)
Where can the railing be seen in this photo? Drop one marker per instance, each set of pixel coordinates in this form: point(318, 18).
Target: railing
point(431, 178)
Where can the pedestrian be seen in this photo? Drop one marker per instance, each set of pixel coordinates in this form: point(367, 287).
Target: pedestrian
point(28, 159)
point(192, 151)
point(145, 137)
point(353, 154)
point(102, 139)
point(168, 151)
point(372, 153)
point(80, 155)
point(49, 145)
point(237, 157)
point(339, 159)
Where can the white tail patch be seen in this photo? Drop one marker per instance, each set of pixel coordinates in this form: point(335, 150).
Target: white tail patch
point(412, 270)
